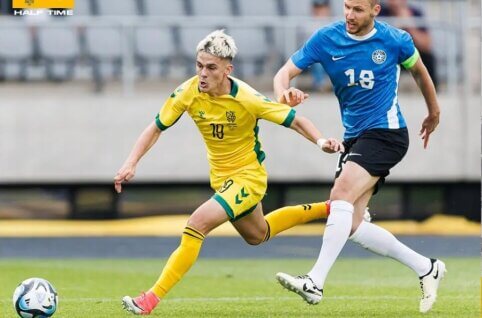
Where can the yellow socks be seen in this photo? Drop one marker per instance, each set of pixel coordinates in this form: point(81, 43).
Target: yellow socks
point(287, 217)
point(179, 262)
point(186, 254)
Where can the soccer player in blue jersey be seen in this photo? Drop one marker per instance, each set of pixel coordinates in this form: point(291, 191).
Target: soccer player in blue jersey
point(362, 57)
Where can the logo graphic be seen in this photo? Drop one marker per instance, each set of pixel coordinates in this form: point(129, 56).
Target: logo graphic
point(336, 58)
point(339, 165)
point(379, 56)
point(436, 274)
point(311, 288)
point(353, 154)
point(43, 7)
point(201, 114)
point(226, 185)
point(43, 4)
point(231, 117)
point(238, 198)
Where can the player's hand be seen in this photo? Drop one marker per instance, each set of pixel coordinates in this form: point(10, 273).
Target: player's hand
point(428, 126)
point(125, 174)
point(330, 145)
point(293, 97)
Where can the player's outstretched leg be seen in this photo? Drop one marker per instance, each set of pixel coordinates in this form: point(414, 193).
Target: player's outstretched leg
point(142, 304)
point(429, 284)
point(378, 240)
point(177, 265)
point(303, 286)
point(287, 217)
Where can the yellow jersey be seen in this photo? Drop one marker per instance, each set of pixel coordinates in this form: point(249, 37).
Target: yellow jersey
point(228, 123)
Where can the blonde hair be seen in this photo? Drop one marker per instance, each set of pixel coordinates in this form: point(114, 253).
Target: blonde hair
point(219, 44)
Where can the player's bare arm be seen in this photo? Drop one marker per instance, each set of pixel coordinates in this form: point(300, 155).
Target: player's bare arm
point(283, 92)
point(425, 83)
point(306, 128)
point(145, 141)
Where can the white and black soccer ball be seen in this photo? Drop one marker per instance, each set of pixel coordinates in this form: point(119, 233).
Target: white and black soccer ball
point(35, 298)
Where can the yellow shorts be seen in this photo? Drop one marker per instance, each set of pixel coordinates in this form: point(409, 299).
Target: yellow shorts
point(240, 193)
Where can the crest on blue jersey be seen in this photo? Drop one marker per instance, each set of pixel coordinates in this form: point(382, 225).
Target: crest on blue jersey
point(379, 56)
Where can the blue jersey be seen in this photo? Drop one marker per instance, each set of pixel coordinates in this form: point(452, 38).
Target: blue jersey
point(364, 71)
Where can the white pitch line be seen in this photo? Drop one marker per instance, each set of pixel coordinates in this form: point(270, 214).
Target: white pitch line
point(260, 298)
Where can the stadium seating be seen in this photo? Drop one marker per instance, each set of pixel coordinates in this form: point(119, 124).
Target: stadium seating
point(159, 8)
point(104, 51)
point(83, 8)
point(117, 8)
point(298, 8)
point(16, 52)
point(60, 50)
point(260, 7)
point(154, 47)
point(212, 7)
point(185, 22)
point(254, 50)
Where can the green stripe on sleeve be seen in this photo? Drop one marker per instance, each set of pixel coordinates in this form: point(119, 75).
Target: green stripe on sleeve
point(410, 62)
point(289, 119)
point(225, 205)
point(159, 124)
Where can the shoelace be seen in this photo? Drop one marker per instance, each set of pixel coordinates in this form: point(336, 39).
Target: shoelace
point(303, 277)
point(421, 287)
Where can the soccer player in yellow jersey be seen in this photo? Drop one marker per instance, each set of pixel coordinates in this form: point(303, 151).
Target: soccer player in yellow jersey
point(226, 112)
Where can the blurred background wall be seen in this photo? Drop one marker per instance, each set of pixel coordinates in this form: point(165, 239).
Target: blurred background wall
point(77, 91)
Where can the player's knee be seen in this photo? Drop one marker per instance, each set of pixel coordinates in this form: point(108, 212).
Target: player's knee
point(340, 192)
point(198, 223)
point(254, 240)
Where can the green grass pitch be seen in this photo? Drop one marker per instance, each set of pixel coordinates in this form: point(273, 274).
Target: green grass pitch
point(373, 287)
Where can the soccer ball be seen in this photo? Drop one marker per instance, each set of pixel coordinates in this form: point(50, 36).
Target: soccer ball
point(35, 298)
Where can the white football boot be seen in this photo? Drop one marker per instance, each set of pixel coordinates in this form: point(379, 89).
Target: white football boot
point(303, 286)
point(429, 284)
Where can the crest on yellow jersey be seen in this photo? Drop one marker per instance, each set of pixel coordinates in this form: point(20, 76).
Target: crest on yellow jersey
point(231, 117)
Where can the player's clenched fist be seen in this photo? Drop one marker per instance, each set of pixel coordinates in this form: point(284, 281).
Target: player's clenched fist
point(293, 97)
point(330, 145)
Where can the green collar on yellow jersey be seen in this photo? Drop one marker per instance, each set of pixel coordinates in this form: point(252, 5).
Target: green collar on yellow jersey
point(234, 87)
